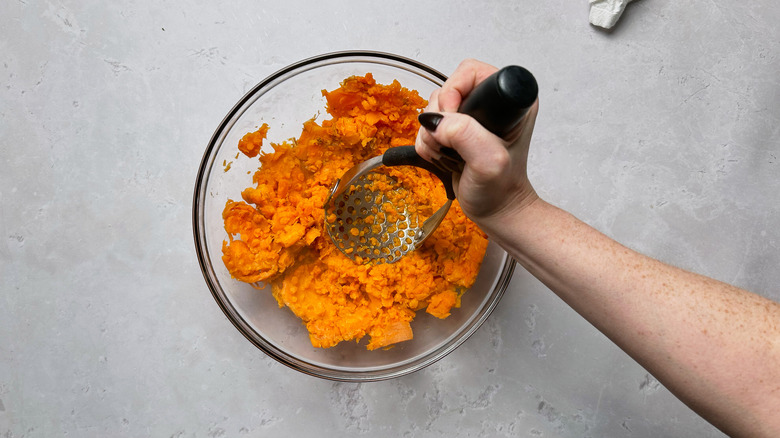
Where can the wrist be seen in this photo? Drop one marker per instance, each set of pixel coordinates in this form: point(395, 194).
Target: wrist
point(519, 225)
point(510, 211)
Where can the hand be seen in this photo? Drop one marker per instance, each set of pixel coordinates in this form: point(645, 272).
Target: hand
point(494, 181)
point(713, 345)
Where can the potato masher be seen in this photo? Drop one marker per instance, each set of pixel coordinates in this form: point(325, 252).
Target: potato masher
point(372, 225)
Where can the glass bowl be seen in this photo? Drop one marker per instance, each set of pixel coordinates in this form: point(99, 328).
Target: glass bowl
point(285, 100)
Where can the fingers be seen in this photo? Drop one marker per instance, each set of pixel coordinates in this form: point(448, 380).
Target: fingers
point(426, 146)
point(484, 152)
point(465, 77)
point(433, 102)
point(495, 172)
point(429, 149)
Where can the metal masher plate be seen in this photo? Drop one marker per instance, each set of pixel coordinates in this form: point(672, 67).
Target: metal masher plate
point(367, 226)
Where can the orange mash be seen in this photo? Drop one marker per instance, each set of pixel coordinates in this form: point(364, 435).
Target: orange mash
point(277, 235)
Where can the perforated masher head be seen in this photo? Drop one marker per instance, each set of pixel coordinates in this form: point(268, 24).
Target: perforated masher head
point(375, 225)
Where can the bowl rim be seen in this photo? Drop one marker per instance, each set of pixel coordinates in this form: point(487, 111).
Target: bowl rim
point(204, 261)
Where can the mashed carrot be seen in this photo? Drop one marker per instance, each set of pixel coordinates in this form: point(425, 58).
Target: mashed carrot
point(277, 236)
point(251, 143)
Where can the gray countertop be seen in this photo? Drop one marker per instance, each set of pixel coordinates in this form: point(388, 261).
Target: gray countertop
point(662, 133)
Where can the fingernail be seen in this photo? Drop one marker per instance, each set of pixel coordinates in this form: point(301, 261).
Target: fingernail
point(430, 120)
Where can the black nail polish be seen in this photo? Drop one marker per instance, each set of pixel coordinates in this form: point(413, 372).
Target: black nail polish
point(430, 120)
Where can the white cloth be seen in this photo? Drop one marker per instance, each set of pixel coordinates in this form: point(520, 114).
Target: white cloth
point(605, 13)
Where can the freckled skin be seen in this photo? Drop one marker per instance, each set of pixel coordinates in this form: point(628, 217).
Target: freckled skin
point(715, 346)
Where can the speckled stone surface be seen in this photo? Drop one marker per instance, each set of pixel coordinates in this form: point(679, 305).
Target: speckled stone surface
point(663, 133)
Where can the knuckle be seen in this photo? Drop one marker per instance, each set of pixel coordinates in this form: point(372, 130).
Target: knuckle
point(457, 129)
point(492, 165)
point(468, 62)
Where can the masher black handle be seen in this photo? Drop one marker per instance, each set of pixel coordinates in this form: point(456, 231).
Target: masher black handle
point(407, 156)
point(501, 101)
point(498, 103)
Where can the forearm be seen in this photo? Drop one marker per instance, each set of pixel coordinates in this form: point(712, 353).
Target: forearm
point(715, 346)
